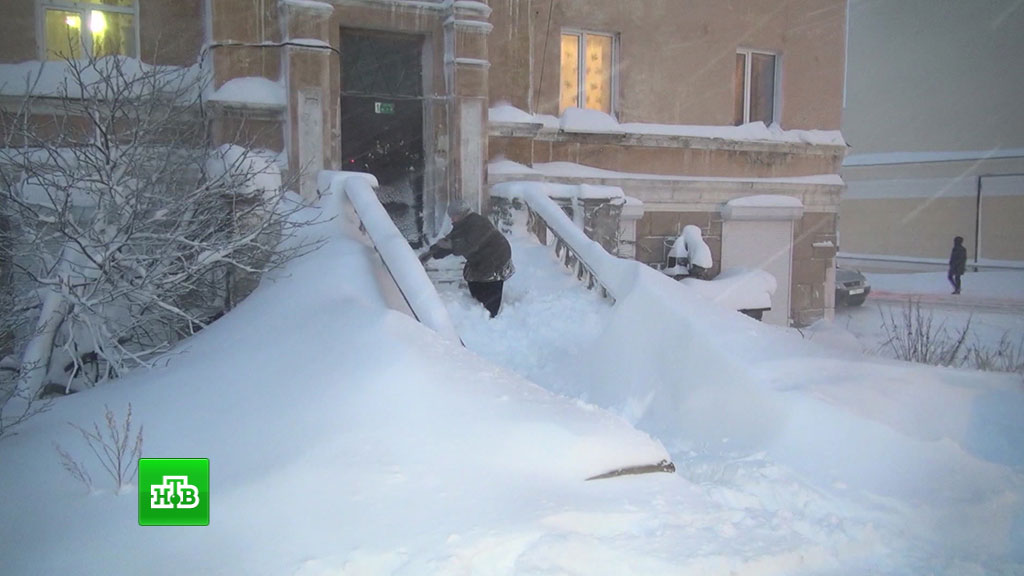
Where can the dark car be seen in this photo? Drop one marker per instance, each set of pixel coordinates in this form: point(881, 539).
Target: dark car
point(852, 287)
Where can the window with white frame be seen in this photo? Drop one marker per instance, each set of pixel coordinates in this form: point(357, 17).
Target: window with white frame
point(72, 29)
point(588, 71)
point(756, 92)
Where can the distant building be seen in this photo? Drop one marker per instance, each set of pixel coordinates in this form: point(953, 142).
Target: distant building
point(934, 120)
point(687, 106)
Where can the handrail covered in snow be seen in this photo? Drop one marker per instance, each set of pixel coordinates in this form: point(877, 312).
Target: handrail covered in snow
point(587, 259)
point(398, 257)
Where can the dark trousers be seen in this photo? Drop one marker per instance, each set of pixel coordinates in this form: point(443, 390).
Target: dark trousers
point(488, 294)
point(954, 279)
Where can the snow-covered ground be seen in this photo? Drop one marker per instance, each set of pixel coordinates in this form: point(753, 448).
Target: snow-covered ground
point(992, 303)
point(346, 439)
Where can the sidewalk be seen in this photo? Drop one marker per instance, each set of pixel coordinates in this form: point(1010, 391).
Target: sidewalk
point(993, 290)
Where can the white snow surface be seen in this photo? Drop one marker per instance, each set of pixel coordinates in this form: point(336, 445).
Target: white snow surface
point(587, 121)
point(311, 5)
point(54, 77)
point(767, 201)
point(346, 439)
point(995, 284)
point(737, 288)
point(692, 245)
point(505, 167)
point(253, 90)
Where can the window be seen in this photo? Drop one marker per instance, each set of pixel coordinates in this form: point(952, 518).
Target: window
point(99, 27)
point(588, 65)
point(755, 87)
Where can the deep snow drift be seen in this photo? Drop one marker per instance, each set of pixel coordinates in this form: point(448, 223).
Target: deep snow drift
point(344, 438)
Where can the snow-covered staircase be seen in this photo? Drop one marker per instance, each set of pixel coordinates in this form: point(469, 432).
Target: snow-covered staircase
point(444, 273)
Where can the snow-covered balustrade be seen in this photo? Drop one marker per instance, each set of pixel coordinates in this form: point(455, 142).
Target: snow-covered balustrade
point(398, 257)
point(587, 259)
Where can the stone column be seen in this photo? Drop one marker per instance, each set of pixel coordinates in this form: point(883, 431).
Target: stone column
point(466, 67)
point(307, 58)
point(238, 35)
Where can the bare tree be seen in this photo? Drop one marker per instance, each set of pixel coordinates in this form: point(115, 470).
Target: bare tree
point(121, 228)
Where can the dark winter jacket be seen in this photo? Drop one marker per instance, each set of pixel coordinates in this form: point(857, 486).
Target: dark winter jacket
point(958, 257)
point(487, 252)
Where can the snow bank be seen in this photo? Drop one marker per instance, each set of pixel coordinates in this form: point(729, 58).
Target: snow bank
point(343, 438)
point(718, 388)
point(737, 288)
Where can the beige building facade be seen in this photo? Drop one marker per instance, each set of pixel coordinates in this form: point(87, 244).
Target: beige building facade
point(932, 115)
point(411, 90)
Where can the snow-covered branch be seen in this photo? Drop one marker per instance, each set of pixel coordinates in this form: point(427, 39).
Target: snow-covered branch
point(122, 230)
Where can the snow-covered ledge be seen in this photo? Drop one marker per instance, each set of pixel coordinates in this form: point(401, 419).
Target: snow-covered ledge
point(763, 207)
point(251, 92)
point(579, 124)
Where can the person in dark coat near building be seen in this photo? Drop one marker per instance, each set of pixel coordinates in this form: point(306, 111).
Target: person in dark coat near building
point(957, 263)
point(487, 253)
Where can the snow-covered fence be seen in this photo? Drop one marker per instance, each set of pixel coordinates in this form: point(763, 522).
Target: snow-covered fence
point(587, 259)
point(398, 257)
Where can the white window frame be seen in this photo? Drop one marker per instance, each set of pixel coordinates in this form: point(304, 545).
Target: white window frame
point(776, 91)
point(582, 70)
point(82, 8)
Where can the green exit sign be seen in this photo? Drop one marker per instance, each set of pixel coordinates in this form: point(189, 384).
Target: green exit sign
point(384, 107)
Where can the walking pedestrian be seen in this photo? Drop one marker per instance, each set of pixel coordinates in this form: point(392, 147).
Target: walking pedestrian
point(957, 263)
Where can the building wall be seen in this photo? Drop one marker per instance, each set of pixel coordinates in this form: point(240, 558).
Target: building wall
point(929, 80)
point(934, 75)
point(18, 31)
point(914, 210)
point(170, 31)
point(241, 22)
point(677, 57)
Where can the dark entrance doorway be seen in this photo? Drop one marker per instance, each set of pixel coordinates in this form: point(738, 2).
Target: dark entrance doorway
point(382, 120)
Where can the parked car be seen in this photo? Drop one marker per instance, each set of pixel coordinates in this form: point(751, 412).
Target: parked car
point(852, 287)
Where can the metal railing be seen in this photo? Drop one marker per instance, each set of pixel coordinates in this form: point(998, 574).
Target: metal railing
point(398, 258)
point(586, 259)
